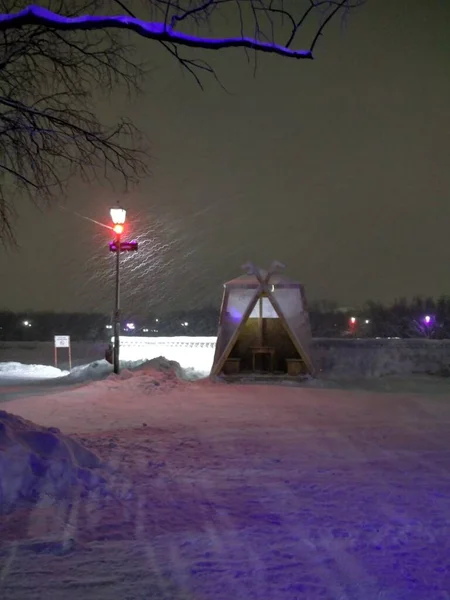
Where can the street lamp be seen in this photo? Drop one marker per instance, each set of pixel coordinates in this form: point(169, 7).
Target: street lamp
point(118, 217)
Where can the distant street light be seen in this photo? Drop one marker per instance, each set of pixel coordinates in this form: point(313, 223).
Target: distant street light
point(26, 324)
point(118, 217)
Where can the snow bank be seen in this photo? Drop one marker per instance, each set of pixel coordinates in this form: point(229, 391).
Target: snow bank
point(192, 353)
point(97, 370)
point(365, 358)
point(16, 370)
point(93, 371)
point(336, 358)
point(169, 368)
point(39, 463)
point(43, 353)
point(101, 369)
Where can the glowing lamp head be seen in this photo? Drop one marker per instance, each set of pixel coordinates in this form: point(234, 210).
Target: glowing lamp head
point(352, 320)
point(118, 229)
point(118, 215)
point(427, 319)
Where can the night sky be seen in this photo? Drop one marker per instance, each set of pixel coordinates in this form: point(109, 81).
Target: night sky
point(338, 167)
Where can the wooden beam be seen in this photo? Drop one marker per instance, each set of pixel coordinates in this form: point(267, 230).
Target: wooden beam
point(216, 369)
point(293, 337)
point(225, 296)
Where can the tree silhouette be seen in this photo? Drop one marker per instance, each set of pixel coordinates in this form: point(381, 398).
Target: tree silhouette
point(55, 60)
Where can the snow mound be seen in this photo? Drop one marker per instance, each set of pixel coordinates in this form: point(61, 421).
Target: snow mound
point(157, 374)
point(168, 368)
point(16, 370)
point(98, 369)
point(160, 366)
point(38, 463)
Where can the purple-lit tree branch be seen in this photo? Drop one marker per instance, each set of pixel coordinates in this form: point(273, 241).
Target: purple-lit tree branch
point(178, 12)
point(55, 63)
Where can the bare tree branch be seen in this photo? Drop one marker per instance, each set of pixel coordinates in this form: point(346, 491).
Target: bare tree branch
point(56, 61)
point(165, 30)
point(48, 128)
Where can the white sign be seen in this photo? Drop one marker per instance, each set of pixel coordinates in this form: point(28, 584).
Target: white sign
point(62, 341)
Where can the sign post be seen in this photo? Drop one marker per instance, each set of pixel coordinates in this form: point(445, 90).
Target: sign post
point(118, 247)
point(63, 341)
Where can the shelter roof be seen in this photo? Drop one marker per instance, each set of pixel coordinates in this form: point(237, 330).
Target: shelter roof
point(251, 281)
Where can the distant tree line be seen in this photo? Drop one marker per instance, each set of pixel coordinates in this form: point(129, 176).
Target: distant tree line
point(419, 317)
point(42, 326)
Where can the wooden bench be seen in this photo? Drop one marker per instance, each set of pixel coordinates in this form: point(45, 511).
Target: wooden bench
point(264, 351)
point(295, 366)
point(232, 366)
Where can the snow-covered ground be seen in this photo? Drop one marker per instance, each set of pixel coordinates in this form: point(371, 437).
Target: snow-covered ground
point(15, 371)
point(43, 353)
point(18, 373)
point(207, 491)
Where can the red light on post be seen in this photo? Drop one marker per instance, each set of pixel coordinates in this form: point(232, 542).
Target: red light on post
point(118, 217)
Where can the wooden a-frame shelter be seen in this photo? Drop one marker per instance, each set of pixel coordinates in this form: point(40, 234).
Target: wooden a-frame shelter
point(263, 313)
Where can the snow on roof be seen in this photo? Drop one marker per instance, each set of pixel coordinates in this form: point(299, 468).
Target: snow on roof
point(247, 280)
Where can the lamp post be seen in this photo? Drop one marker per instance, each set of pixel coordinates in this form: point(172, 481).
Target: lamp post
point(118, 217)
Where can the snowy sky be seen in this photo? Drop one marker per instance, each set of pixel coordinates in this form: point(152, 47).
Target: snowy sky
point(337, 167)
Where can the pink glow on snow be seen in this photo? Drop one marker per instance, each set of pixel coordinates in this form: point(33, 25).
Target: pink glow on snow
point(224, 491)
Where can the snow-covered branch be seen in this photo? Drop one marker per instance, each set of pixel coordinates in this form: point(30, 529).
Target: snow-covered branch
point(158, 31)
